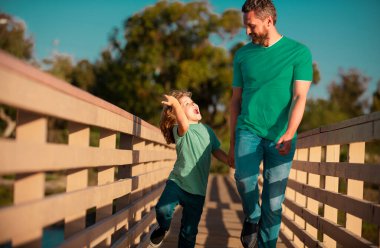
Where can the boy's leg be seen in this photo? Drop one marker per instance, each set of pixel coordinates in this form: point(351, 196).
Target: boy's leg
point(164, 212)
point(276, 173)
point(191, 215)
point(166, 204)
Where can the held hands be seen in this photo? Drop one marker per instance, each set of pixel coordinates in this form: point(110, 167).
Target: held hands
point(231, 157)
point(284, 144)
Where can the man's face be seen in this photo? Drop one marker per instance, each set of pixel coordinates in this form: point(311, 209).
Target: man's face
point(256, 29)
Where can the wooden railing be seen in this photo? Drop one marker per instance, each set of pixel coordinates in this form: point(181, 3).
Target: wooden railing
point(109, 188)
point(327, 180)
point(113, 166)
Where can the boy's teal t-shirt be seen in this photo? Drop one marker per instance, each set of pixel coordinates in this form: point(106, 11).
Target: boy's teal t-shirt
point(194, 150)
point(266, 75)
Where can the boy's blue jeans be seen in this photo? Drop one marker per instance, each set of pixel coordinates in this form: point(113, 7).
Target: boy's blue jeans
point(250, 150)
point(191, 212)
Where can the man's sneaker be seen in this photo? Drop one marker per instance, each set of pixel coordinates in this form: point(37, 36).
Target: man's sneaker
point(157, 237)
point(249, 235)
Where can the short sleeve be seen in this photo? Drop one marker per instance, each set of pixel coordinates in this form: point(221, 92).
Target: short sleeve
point(215, 143)
point(175, 134)
point(303, 69)
point(237, 75)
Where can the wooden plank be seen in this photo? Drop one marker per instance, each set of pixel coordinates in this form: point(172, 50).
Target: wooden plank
point(100, 230)
point(366, 210)
point(333, 230)
point(355, 188)
point(36, 211)
point(54, 157)
point(365, 172)
point(302, 235)
point(16, 74)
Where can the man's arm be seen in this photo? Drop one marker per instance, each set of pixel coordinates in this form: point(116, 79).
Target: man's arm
point(235, 108)
point(296, 112)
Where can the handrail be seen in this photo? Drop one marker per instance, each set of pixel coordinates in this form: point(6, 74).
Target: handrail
point(315, 192)
point(109, 189)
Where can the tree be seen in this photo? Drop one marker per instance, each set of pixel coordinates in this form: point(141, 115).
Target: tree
point(167, 46)
point(376, 99)
point(345, 101)
point(13, 38)
point(347, 94)
point(14, 41)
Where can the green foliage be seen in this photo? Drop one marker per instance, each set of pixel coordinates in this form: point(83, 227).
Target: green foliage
point(345, 102)
point(13, 39)
point(347, 94)
point(167, 47)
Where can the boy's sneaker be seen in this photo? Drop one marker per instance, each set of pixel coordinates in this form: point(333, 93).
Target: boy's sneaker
point(157, 237)
point(249, 234)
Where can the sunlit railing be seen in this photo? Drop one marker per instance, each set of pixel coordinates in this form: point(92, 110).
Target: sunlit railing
point(110, 185)
point(109, 168)
point(324, 204)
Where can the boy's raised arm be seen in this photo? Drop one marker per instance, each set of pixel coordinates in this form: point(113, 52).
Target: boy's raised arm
point(182, 121)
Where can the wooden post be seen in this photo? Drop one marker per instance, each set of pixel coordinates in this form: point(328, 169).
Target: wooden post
point(106, 175)
point(79, 135)
point(291, 195)
point(31, 128)
point(331, 184)
point(313, 180)
point(301, 177)
point(355, 188)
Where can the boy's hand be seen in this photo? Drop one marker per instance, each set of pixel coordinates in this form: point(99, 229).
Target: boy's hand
point(231, 158)
point(284, 144)
point(170, 100)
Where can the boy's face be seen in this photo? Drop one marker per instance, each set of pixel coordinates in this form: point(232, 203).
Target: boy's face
point(191, 109)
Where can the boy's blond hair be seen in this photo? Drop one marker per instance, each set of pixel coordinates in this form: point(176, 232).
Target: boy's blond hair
point(168, 119)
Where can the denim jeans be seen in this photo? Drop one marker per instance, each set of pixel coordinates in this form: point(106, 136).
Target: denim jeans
point(250, 150)
point(191, 212)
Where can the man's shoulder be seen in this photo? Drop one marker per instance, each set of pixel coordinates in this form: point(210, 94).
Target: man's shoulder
point(295, 44)
point(243, 49)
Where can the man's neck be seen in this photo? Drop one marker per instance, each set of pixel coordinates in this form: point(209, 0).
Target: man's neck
point(274, 37)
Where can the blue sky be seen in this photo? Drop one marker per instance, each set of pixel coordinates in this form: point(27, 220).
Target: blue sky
point(341, 34)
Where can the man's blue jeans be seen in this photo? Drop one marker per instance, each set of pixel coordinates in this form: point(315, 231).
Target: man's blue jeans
point(250, 150)
point(191, 212)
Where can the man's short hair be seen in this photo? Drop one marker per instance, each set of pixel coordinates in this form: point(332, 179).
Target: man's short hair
point(262, 8)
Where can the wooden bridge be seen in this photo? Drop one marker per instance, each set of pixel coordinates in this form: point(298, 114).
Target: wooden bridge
point(111, 167)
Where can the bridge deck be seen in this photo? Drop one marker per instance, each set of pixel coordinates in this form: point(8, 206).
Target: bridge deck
point(221, 220)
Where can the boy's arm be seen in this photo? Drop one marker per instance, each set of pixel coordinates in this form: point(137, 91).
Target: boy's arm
point(221, 156)
point(182, 121)
point(235, 108)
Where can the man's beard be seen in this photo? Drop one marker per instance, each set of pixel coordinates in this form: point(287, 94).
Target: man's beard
point(260, 39)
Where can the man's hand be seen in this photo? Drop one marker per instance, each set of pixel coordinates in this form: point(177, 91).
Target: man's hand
point(284, 144)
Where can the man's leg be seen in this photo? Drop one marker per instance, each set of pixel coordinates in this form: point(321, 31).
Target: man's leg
point(191, 215)
point(248, 156)
point(276, 173)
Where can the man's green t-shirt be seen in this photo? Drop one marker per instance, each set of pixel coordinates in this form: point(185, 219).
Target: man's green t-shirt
point(266, 76)
point(194, 150)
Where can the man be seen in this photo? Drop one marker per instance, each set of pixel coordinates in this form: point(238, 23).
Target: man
point(272, 75)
